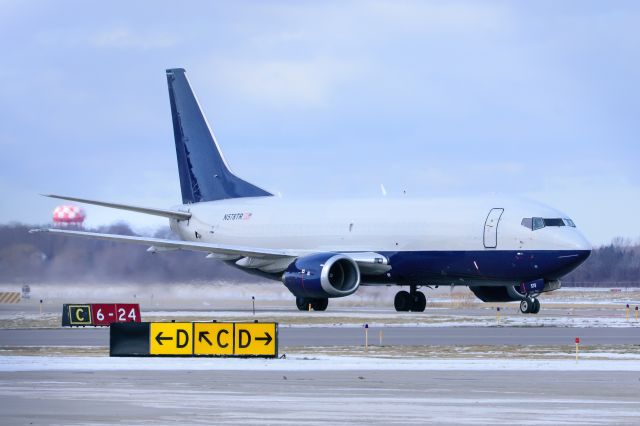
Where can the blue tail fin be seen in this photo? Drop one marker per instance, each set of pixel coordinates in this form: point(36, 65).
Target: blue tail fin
point(204, 174)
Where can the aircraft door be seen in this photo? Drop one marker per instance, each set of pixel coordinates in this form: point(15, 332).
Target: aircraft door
point(491, 228)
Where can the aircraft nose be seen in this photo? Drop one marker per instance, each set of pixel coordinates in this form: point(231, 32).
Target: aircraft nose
point(582, 248)
point(582, 243)
point(583, 255)
point(576, 241)
point(574, 250)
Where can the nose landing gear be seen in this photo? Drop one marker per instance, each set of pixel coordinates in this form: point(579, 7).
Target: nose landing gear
point(414, 301)
point(530, 305)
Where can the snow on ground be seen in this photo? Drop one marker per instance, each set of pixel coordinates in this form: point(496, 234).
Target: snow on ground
point(302, 362)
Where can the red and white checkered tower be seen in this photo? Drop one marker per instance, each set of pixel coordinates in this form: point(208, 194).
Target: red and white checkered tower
point(68, 216)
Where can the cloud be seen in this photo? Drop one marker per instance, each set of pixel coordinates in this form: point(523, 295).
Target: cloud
point(441, 17)
point(112, 38)
point(124, 38)
point(286, 82)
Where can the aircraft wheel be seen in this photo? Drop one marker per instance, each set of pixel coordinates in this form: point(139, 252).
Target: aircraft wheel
point(403, 301)
point(302, 303)
point(526, 305)
point(320, 304)
point(536, 306)
point(419, 302)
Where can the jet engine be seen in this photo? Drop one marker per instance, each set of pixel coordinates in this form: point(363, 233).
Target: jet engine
point(322, 275)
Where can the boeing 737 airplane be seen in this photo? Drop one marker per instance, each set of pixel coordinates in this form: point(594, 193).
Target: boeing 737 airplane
point(504, 249)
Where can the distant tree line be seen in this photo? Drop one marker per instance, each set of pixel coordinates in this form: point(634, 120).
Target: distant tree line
point(613, 265)
point(43, 257)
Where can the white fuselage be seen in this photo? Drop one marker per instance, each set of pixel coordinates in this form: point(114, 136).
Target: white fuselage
point(379, 224)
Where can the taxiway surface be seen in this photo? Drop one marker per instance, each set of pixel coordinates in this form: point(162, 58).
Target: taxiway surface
point(345, 336)
point(319, 397)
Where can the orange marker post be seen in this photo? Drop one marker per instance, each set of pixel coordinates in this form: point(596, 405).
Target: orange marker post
point(627, 315)
point(366, 337)
point(636, 313)
point(498, 314)
point(577, 347)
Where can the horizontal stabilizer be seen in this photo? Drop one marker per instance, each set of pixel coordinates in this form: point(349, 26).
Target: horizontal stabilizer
point(172, 214)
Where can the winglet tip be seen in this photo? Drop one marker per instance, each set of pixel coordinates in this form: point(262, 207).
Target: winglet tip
point(37, 230)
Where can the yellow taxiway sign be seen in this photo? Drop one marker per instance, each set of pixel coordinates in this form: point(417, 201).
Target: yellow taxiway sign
point(254, 338)
point(171, 338)
point(213, 338)
point(80, 314)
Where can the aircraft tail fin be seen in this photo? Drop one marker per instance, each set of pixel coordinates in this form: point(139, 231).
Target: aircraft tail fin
point(204, 173)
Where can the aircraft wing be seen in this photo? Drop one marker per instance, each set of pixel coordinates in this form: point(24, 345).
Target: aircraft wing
point(175, 244)
point(369, 262)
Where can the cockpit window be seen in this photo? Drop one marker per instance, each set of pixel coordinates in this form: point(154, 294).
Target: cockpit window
point(538, 223)
point(535, 223)
point(553, 222)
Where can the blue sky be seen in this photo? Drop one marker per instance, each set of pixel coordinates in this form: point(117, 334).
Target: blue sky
point(539, 99)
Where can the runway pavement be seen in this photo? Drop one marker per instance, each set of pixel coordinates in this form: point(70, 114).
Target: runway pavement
point(319, 397)
point(346, 336)
point(469, 377)
point(356, 395)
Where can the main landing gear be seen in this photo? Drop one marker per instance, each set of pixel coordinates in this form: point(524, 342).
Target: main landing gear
point(413, 300)
point(530, 305)
point(305, 303)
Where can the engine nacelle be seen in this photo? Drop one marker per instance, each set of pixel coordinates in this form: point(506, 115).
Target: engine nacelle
point(322, 275)
point(513, 293)
point(497, 293)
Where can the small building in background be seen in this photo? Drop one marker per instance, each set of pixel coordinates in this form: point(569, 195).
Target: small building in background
point(26, 292)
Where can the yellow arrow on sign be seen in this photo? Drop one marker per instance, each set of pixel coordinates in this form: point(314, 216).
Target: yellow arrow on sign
point(255, 339)
point(222, 339)
point(173, 338)
point(213, 338)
